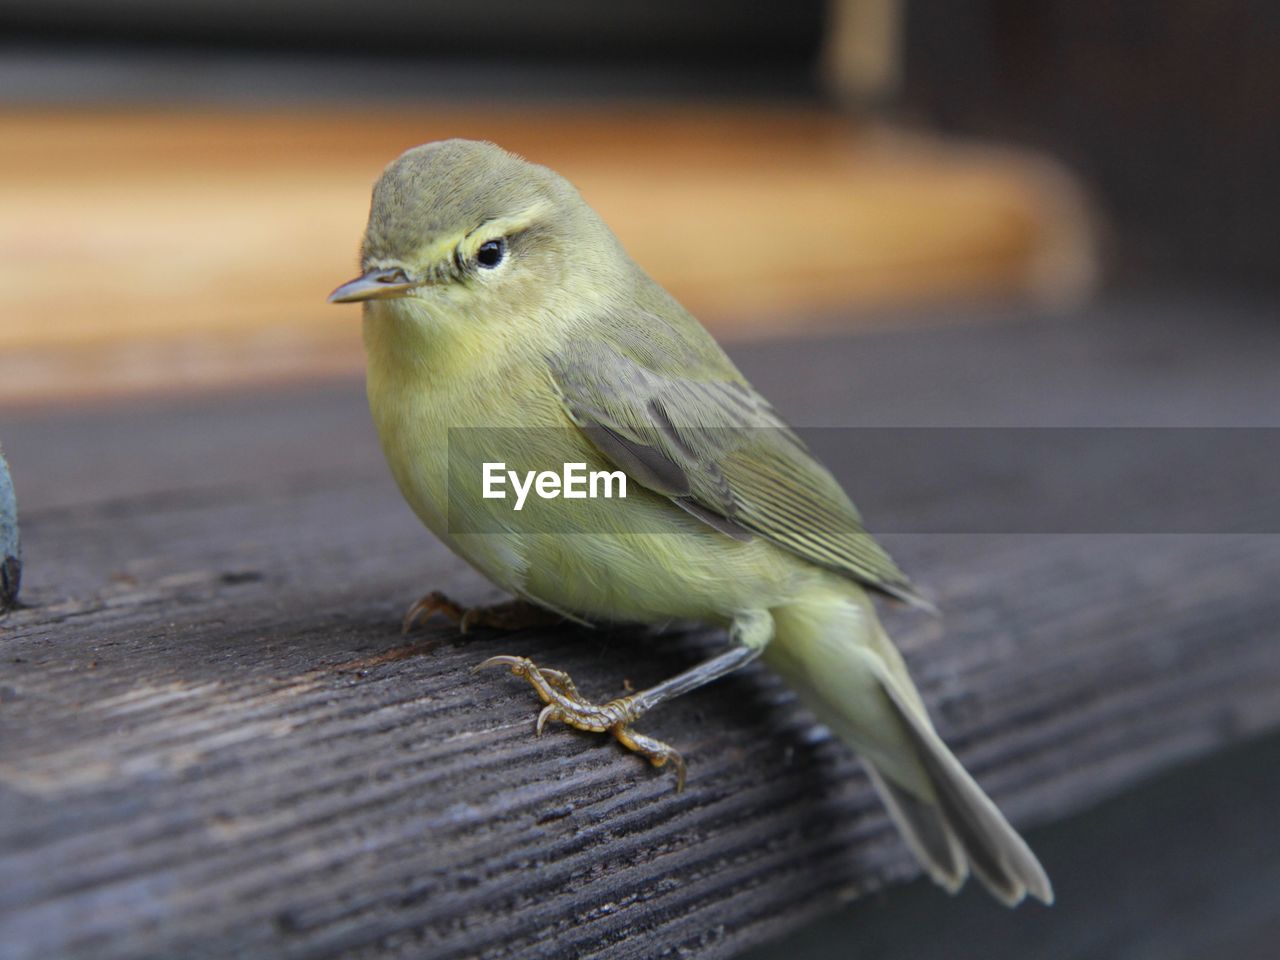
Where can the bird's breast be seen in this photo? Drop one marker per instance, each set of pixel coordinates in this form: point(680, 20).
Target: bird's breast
point(443, 405)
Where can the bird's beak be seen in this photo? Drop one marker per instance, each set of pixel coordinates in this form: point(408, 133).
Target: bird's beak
point(374, 285)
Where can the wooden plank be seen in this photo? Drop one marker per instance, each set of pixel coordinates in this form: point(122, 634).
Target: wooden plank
point(1184, 867)
point(214, 742)
point(146, 249)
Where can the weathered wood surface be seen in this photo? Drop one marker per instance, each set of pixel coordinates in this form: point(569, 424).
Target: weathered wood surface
point(1184, 867)
point(214, 742)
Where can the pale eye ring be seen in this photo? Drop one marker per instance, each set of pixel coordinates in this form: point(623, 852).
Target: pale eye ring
point(491, 253)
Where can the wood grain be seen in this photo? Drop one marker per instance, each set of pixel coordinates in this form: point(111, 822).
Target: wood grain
point(213, 741)
point(1184, 867)
point(160, 248)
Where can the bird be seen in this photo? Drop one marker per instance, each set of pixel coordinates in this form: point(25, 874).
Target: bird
point(505, 323)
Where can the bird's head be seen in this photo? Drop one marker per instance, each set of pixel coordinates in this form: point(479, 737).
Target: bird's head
point(464, 229)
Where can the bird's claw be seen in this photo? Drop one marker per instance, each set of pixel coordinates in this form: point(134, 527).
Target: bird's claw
point(512, 615)
point(563, 703)
point(435, 602)
point(515, 663)
point(546, 713)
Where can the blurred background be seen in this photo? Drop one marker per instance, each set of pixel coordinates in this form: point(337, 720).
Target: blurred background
point(183, 181)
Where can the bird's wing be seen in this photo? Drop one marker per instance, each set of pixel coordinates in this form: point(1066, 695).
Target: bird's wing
point(717, 449)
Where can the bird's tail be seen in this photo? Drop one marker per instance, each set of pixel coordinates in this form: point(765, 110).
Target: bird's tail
point(831, 648)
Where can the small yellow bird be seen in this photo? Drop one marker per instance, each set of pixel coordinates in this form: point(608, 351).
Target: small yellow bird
point(503, 318)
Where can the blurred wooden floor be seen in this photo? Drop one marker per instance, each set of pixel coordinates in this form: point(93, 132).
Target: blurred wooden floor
point(157, 249)
point(214, 741)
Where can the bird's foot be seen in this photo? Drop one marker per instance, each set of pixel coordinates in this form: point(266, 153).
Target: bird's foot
point(511, 615)
point(565, 704)
point(426, 607)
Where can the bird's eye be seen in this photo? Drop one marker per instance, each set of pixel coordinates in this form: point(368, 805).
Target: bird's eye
point(491, 253)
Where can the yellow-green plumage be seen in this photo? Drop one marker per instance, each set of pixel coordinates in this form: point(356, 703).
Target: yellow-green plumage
point(566, 339)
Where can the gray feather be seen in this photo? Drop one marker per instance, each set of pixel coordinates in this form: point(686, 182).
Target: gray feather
point(706, 439)
point(998, 856)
